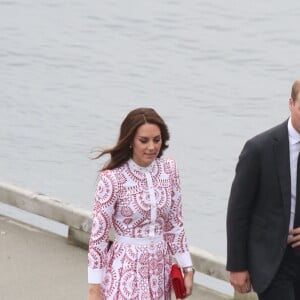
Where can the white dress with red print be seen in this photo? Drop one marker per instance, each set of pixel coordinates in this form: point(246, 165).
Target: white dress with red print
point(144, 207)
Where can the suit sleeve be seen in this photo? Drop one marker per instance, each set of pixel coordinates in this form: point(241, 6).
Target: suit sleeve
point(242, 197)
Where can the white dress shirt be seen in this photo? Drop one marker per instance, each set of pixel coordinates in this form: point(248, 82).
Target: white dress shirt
point(294, 145)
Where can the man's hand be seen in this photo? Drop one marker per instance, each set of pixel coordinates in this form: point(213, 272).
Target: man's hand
point(294, 240)
point(241, 281)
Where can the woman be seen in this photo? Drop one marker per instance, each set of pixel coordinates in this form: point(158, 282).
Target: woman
point(139, 195)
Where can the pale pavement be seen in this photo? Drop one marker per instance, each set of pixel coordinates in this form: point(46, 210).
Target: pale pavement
point(38, 265)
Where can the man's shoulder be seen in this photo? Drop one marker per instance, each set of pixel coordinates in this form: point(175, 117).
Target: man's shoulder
point(276, 132)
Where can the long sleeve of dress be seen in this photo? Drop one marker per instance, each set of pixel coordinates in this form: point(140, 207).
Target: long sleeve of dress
point(175, 234)
point(102, 221)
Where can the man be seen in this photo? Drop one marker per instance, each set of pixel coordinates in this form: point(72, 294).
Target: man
point(262, 239)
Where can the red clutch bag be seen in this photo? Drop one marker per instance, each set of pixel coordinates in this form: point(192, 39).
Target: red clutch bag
point(177, 282)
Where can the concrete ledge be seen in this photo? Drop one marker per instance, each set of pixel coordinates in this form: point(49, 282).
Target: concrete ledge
point(78, 237)
point(46, 206)
point(204, 293)
point(209, 264)
point(250, 296)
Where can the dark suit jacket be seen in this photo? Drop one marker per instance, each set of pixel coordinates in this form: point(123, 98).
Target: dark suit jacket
point(259, 207)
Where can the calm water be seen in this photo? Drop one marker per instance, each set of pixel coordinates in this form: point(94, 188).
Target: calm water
point(218, 72)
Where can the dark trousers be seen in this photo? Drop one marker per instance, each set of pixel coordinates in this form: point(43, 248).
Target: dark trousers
point(285, 285)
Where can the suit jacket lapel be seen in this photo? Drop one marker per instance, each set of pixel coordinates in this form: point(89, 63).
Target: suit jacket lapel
point(282, 155)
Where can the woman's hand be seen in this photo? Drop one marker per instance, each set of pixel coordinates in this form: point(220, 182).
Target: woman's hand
point(95, 292)
point(188, 282)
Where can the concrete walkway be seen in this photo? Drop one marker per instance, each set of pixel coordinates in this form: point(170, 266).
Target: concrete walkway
point(37, 265)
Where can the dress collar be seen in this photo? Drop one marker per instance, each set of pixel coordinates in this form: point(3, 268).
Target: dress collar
point(134, 166)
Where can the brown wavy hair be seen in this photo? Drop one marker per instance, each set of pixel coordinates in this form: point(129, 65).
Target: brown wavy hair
point(122, 151)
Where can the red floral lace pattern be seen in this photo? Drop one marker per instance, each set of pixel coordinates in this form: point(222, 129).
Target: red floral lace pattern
point(138, 203)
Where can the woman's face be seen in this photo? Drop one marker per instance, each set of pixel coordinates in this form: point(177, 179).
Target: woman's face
point(146, 144)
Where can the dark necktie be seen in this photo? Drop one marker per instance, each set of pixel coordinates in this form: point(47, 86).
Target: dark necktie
point(297, 208)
